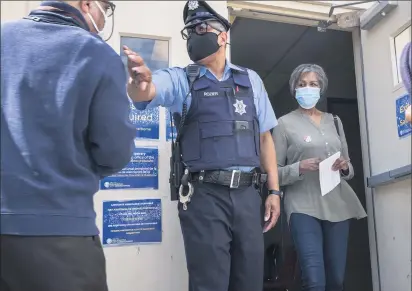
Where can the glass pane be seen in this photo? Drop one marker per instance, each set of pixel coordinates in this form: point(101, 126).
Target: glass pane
point(400, 42)
point(155, 52)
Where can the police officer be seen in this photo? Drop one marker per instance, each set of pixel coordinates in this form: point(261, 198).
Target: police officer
point(225, 135)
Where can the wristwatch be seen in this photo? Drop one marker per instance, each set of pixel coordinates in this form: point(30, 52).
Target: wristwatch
point(276, 192)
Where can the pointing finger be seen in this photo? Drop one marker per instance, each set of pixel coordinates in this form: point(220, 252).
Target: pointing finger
point(126, 50)
point(136, 59)
point(129, 52)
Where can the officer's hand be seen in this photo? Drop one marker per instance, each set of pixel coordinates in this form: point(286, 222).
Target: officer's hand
point(272, 211)
point(138, 71)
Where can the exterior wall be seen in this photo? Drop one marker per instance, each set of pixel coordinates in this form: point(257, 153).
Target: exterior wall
point(392, 202)
point(12, 10)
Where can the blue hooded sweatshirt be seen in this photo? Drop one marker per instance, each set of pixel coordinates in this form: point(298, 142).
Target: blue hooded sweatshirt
point(64, 122)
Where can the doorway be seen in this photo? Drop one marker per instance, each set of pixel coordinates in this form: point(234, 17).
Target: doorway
point(274, 50)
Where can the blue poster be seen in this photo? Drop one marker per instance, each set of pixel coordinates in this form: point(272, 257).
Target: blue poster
point(132, 222)
point(404, 127)
point(170, 131)
point(141, 172)
point(146, 122)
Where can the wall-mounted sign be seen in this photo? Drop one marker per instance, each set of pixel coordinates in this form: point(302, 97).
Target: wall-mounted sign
point(146, 122)
point(141, 172)
point(404, 127)
point(170, 128)
point(132, 222)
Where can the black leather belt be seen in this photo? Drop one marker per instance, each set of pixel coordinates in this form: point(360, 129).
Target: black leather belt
point(231, 179)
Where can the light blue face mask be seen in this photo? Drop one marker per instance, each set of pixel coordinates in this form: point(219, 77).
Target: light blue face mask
point(307, 97)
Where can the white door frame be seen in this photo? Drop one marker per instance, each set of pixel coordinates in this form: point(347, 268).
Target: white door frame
point(309, 14)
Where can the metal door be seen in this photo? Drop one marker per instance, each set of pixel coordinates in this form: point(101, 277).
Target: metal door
point(387, 162)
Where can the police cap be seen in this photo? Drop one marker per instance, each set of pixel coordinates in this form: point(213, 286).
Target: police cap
point(198, 11)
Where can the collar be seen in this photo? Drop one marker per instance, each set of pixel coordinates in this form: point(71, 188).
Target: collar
point(63, 13)
point(226, 73)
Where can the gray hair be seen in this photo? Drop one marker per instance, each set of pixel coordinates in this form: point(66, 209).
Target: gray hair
point(217, 25)
point(308, 68)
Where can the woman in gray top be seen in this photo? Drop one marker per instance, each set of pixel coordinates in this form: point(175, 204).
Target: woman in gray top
point(319, 224)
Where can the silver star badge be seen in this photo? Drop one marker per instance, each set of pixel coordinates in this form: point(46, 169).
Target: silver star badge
point(240, 107)
point(192, 5)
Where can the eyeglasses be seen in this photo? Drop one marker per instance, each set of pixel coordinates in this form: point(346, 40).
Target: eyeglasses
point(109, 7)
point(198, 28)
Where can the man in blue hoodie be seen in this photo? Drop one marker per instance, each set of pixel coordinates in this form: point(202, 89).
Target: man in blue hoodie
point(64, 126)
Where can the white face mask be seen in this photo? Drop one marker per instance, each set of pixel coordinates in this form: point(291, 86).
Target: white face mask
point(99, 32)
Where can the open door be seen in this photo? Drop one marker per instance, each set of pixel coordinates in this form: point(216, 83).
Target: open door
point(378, 30)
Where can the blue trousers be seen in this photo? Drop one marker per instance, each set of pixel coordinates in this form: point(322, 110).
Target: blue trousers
point(321, 247)
point(223, 238)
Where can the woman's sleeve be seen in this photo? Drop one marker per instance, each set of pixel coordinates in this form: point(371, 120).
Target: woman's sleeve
point(345, 152)
point(288, 174)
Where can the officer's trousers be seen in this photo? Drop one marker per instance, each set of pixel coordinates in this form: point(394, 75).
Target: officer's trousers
point(223, 237)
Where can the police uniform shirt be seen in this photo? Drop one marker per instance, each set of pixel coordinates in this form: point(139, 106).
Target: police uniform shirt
point(172, 87)
point(297, 138)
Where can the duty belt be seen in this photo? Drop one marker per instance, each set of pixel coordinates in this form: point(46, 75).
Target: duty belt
point(231, 179)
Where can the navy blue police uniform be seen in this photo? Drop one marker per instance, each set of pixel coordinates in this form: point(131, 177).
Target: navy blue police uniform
point(221, 220)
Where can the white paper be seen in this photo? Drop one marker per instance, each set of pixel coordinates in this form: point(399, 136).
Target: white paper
point(328, 178)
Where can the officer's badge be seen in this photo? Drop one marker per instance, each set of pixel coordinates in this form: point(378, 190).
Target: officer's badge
point(240, 107)
point(192, 5)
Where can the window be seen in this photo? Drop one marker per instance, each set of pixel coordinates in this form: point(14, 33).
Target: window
point(155, 52)
point(398, 42)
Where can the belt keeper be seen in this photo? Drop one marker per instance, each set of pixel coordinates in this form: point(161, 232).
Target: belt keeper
point(255, 178)
point(201, 176)
point(186, 177)
point(263, 178)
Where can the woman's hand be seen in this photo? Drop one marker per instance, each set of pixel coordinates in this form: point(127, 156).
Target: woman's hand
point(340, 165)
point(309, 165)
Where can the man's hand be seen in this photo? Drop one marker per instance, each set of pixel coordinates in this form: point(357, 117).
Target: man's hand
point(138, 71)
point(272, 211)
point(408, 116)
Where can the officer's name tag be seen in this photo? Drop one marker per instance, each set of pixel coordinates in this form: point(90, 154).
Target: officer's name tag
point(214, 94)
point(226, 92)
point(210, 94)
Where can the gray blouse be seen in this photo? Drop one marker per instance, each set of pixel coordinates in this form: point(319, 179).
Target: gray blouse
point(298, 138)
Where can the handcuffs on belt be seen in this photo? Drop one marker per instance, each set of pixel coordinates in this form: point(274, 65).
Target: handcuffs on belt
point(185, 198)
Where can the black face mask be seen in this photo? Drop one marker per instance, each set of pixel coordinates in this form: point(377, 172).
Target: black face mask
point(202, 46)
